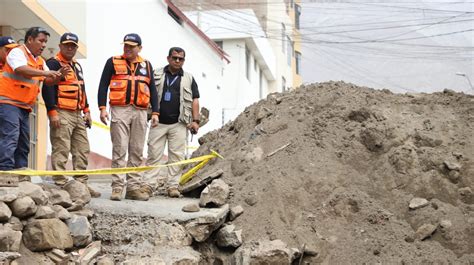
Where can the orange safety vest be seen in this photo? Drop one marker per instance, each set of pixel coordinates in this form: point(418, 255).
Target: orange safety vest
point(130, 86)
point(18, 90)
point(71, 90)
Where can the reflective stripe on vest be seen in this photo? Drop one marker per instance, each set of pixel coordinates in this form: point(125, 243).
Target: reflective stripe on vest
point(19, 78)
point(4, 99)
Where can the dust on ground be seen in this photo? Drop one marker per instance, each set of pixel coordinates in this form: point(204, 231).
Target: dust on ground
point(334, 166)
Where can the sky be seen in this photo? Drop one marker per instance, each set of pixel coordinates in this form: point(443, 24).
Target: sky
point(405, 46)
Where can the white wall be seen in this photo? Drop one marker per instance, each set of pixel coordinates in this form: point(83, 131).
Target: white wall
point(106, 24)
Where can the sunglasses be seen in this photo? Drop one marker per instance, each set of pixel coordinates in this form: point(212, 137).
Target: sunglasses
point(177, 58)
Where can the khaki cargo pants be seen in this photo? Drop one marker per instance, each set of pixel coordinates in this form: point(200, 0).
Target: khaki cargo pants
point(175, 136)
point(70, 137)
point(127, 129)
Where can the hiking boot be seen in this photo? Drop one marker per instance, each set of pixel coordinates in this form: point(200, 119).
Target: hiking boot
point(147, 189)
point(140, 194)
point(116, 194)
point(94, 193)
point(173, 192)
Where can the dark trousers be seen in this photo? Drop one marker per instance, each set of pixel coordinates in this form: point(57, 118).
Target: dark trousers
point(14, 137)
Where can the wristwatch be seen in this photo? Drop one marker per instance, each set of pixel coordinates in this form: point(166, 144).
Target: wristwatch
point(197, 121)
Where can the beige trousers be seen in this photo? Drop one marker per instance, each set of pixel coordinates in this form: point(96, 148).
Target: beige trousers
point(127, 130)
point(175, 136)
point(70, 137)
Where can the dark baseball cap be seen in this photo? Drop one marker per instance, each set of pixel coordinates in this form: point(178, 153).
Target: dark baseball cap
point(69, 38)
point(132, 39)
point(7, 41)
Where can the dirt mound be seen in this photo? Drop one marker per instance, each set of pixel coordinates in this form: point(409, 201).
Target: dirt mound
point(335, 166)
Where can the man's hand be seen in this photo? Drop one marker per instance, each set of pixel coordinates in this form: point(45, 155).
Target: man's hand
point(54, 121)
point(193, 127)
point(65, 70)
point(52, 74)
point(154, 120)
point(104, 116)
point(87, 119)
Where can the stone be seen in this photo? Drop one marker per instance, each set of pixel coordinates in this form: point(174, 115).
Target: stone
point(15, 224)
point(45, 212)
point(425, 231)
point(46, 234)
point(5, 212)
point(88, 254)
point(191, 208)
point(78, 191)
point(201, 228)
point(34, 191)
point(235, 212)
point(7, 257)
point(173, 235)
point(215, 194)
point(466, 191)
point(105, 260)
point(60, 197)
point(58, 256)
point(76, 206)
point(9, 194)
point(61, 213)
point(417, 203)
point(445, 224)
point(84, 212)
point(10, 239)
point(23, 207)
point(454, 176)
point(176, 256)
point(452, 165)
point(227, 237)
point(251, 200)
point(80, 229)
point(263, 252)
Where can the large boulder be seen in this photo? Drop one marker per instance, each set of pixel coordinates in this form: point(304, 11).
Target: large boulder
point(45, 212)
point(60, 197)
point(9, 194)
point(34, 191)
point(263, 252)
point(78, 191)
point(10, 239)
point(5, 212)
point(80, 229)
point(23, 207)
point(228, 237)
point(215, 194)
point(46, 234)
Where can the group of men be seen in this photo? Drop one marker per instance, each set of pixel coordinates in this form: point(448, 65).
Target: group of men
point(133, 89)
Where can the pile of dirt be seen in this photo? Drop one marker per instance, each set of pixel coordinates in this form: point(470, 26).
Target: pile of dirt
point(334, 166)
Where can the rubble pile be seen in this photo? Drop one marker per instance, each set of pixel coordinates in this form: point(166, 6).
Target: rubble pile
point(46, 224)
point(341, 174)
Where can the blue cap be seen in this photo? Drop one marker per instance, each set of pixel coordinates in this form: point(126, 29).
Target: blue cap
point(7, 41)
point(69, 38)
point(132, 39)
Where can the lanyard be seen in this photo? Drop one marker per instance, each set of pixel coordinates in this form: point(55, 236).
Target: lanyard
point(168, 84)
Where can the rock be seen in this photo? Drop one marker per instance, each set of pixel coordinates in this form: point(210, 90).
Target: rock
point(78, 191)
point(176, 256)
point(228, 237)
point(466, 191)
point(62, 213)
point(84, 212)
point(263, 252)
point(76, 206)
point(88, 254)
point(454, 176)
point(105, 260)
point(45, 212)
point(215, 194)
point(23, 207)
point(58, 256)
point(445, 224)
point(173, 235)
point(9, 194)
point(34, 191)
point(5, 212)
point(7, 257)
point(201, 228)
point(235, 212)
point(191, 208)
point(15, 224)
point(452, 165)
point(80, 229)
point(60, 197)
point(425, 231)
point(417, 203)
point(46, 234)
point(10, 239)
point(251, 200)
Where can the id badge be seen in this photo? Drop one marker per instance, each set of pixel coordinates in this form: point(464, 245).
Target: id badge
point(167, 96)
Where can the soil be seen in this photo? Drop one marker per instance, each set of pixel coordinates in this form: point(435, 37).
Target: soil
point(334, 166)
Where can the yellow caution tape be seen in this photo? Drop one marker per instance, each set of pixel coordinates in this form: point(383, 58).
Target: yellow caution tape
point(101, 125)
point(107, 171)
point(188, 175)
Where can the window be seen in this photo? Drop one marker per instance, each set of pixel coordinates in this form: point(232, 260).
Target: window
point(220, 44)
point(283, 84)
point(247, 63)
point(289, 53)
point(297, 16)
point(298, 62)
point(174, 16)
point(283, 37)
